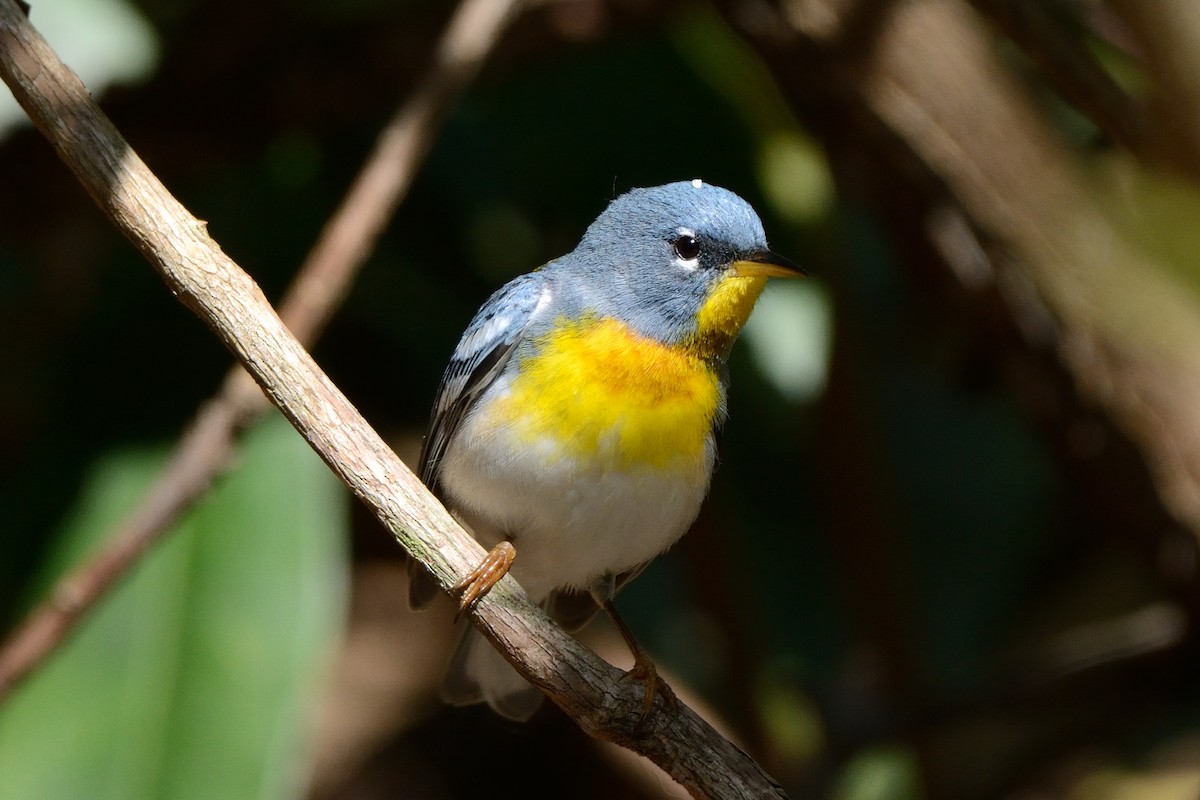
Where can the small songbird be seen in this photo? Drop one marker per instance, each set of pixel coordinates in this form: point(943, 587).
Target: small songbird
point(573, 431)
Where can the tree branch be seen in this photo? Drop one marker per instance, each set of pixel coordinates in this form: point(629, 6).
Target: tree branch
point(208, 445)
point(231, 304)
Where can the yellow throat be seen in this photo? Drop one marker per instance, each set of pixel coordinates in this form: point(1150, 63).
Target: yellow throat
point(723, 314)
point(600, 393)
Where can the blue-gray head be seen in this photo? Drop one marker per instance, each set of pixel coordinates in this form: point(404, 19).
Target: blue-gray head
point(683, 263)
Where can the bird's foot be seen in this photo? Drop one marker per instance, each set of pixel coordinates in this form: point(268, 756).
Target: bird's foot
point(653, 685)
point(479, 581)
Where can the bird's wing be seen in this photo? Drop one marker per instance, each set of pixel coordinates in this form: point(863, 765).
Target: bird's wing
point(481, 354)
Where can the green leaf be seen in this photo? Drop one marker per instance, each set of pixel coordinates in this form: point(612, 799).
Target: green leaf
point(198, 677)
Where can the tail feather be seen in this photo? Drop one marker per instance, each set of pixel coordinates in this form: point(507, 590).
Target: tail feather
point(478, 673)
point(422, 588)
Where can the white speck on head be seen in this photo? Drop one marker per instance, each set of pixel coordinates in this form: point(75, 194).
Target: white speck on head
point(697, 183)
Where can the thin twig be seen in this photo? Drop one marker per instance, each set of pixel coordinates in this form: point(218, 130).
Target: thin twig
point(209, 283)
point(207, 447)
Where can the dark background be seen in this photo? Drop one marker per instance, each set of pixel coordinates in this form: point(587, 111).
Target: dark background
point(945, 570)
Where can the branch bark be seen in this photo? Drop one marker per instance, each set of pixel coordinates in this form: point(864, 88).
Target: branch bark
point(209, 283)
point(208, 445)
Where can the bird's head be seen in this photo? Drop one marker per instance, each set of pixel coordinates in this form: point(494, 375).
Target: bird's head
point(682, 263)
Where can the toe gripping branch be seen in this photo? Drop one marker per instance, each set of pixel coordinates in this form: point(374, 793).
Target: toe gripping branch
point(479, 581)
point(643, 669)
point(496, 564)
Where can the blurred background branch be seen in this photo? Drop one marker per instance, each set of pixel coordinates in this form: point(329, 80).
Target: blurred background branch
point(208, 445)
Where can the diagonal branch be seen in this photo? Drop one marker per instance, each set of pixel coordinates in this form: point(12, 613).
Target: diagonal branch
point(1070, 68)
point(208, 445)
point(209, 283)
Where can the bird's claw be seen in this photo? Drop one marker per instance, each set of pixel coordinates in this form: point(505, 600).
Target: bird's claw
point(653, 685)
point(479, 581)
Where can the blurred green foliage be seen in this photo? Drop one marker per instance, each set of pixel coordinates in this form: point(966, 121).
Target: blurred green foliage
point(196, 678)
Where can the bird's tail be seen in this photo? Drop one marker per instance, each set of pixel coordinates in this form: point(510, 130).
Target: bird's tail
point(478, 673)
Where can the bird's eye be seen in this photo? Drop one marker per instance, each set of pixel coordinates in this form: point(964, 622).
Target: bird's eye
point(686, 247)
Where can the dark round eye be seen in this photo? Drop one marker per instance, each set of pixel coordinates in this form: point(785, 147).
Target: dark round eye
point(686, 247)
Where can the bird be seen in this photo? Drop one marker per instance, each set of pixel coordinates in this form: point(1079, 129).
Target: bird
point(573, 431)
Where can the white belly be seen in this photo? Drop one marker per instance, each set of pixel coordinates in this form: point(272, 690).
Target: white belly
point(571, 522)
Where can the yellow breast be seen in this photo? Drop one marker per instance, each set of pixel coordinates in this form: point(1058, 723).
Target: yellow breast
point(608, 396)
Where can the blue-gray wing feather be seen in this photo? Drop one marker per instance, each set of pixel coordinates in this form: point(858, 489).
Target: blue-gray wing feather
point(481, 354)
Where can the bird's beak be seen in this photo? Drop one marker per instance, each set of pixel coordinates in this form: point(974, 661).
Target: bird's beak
point(765, 264)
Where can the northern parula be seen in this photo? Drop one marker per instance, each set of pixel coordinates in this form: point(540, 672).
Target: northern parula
point(573, 430)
